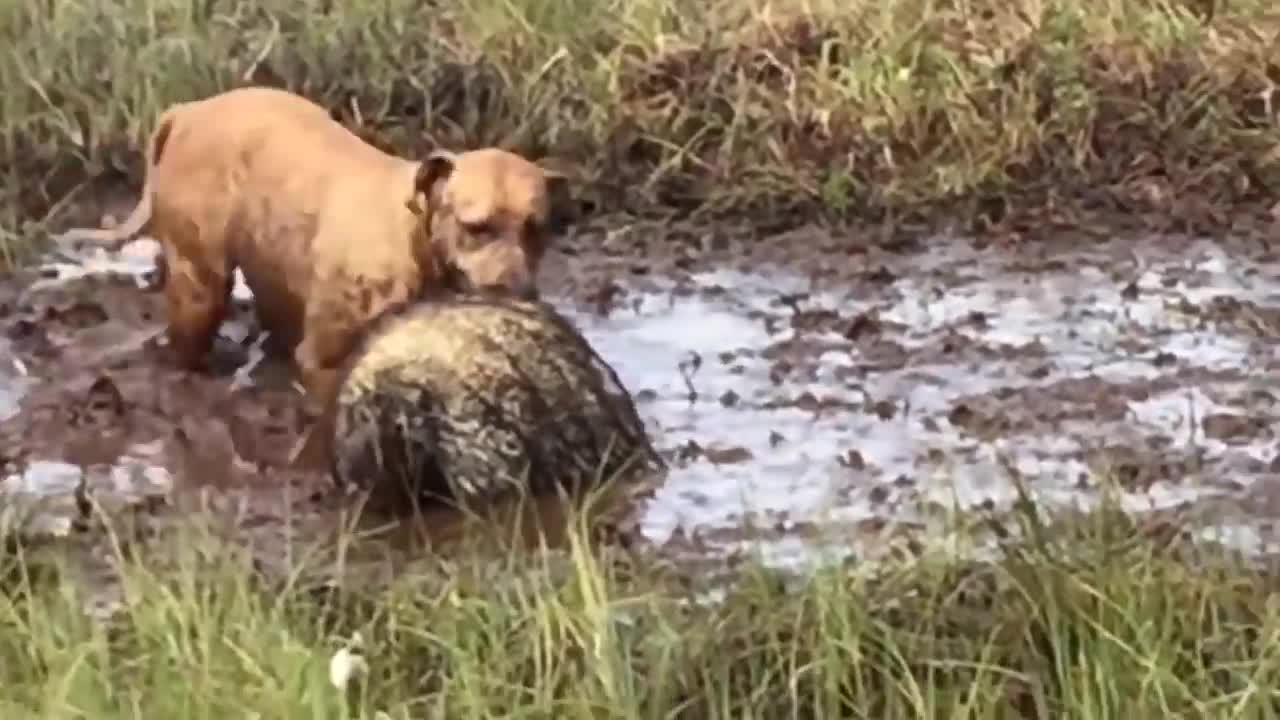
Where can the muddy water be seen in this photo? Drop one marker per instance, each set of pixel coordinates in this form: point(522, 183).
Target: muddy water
point(837, 412)
point(13, 382)
point(811, 401)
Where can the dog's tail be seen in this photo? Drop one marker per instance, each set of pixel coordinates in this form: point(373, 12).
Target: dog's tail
point(113, 238)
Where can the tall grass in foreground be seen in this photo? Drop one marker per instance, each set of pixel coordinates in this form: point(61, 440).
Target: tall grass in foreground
point(1097, 618)
point(852, 107)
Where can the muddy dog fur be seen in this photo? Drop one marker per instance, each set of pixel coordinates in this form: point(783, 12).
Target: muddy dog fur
point(472, 400)
point(328, 230)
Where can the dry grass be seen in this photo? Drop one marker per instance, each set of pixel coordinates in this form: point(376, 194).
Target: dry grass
point(857, 109)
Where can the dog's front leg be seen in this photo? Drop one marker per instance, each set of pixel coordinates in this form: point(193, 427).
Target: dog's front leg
point(318, 358)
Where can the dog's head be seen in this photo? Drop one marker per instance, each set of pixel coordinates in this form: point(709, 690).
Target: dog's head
point(489, 216)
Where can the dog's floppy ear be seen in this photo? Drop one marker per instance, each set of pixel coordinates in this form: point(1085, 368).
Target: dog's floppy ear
point(436, 167)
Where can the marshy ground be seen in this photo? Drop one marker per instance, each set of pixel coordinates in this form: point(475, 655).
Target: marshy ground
point(805, 395)
point(956, 322)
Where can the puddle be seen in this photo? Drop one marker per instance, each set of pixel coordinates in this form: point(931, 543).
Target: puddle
point(899, 404)
point(839, 412)
point(46, 498)
point(14, 381)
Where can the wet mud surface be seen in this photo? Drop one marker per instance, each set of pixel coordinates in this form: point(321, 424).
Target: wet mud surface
point(813, 395)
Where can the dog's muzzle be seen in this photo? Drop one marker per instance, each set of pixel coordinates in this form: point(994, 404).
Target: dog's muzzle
point(460, 283)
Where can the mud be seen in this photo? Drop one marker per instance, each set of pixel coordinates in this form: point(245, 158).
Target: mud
point(817, 395)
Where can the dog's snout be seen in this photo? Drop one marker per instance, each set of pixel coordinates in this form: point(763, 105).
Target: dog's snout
point(503, 269)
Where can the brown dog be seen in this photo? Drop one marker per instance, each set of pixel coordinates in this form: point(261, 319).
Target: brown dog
point(327, 229)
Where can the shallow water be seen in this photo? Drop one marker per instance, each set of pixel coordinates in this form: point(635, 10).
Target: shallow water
point(13, 381)
point(842, 410)
point(973, 367)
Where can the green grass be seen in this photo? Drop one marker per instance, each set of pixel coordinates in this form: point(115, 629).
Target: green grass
point(978, 110)
point(1093, 618)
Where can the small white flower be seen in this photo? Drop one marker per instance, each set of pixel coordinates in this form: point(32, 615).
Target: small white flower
point(346, 664)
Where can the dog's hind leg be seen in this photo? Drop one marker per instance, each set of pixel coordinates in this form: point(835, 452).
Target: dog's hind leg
point(198, 299)
point(197, 286)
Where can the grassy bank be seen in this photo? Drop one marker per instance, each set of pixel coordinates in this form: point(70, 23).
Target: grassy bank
point(1097, 619)
point(982, 109)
